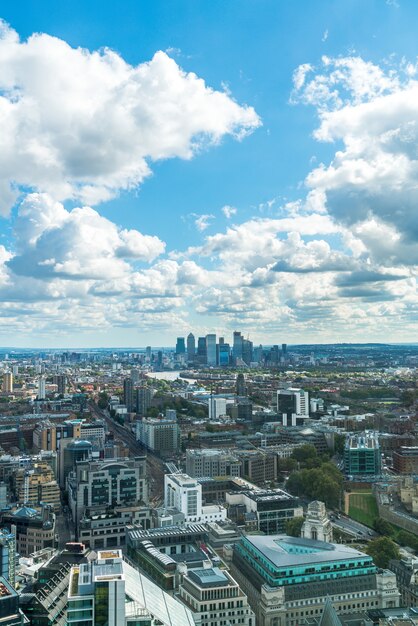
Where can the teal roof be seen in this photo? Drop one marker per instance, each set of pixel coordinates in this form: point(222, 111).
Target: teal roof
point(25, 511)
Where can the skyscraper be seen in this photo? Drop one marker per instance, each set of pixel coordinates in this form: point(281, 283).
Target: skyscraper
point(237, 346)
point(180, 346)
point(191, 347)
point(211, 349)
point(201, 351)
point(224, 354)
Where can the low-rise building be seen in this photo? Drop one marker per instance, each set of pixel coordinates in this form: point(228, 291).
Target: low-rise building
point(268, 509)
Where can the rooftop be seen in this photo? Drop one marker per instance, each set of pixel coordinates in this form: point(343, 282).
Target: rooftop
point(209, 577)
point(283, 551)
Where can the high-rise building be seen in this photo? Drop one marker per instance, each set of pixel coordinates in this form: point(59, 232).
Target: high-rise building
point(7, 386)
point(184, 494)
point(109, 591)
point(237, 346)
point(247, 351)
point(10, 614)
point(8, 556)
point(202, 351)
point(217, 407)
point(148, 352)
point(224, 352)
point(159, 435)
point(211, 349)
point(293, 406)
point(41, 388)
point(180, 346)
point(191, 347)
point(128, 394)
point(34, 531)
point(60, 380)
point(107, 483)
point(240, 386)
point(143, 399)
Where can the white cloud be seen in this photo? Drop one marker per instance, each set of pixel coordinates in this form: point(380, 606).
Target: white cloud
point(202, 222)
point(83, 125)
point(228, 211)
point(52, 242)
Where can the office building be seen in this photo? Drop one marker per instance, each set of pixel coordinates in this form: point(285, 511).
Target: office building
point(247, 351)
point(191, 347)
point(215, 597)
point(212, 463)
point(162, 552)
point(292, 404)
point(237, 346)
point(71, 452)
point(362, 456)
point(8, 556)
point(258, 466)
point(211, 350)
point(161, 435)
point(128, 394)
point(7, 386)
point(180, 346)
point(10, 614)
point(106, 528)
point(184, 494)
point(36, 485)
point(268, 509)
point(110, 591)
point(405, 460)
point(34, 530)
point(217, 407)
point(201, 357)
point(224, 353)
point(107, 483)
point(288, 580)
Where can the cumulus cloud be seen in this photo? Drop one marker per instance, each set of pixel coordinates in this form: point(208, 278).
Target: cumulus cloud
point(78, 244)
point(80, 124)
point(371, 184)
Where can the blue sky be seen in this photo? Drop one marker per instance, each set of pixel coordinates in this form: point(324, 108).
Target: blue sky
point(299, 258)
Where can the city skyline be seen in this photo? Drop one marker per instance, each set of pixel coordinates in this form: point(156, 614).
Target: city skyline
point(216, 166)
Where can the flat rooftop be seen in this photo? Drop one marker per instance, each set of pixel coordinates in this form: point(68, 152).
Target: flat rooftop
point(283, 551)
point(268, 495)
point(209, 577)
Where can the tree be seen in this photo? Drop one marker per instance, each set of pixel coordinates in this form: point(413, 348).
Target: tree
point(382, 550)
point(339, 443)
point(294, 526)
point(304, 453)
point(103, 400)
point(382, 527)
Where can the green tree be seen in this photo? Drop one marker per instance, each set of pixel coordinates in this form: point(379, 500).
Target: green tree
point(103, 400)
point(382, 527)
point(382, 550)
point(294, 526)
point(339, 443)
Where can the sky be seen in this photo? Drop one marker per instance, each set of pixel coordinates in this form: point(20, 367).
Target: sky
point(208, 166)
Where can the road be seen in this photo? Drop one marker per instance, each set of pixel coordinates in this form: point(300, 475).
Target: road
point(355, 529)
point(155, 464)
